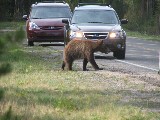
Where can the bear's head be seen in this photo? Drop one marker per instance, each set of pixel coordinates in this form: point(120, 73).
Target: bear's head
point(102, 47)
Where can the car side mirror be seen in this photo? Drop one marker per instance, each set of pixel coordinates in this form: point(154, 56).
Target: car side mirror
point(65, 21)
point(25, 17)
point(124, 21)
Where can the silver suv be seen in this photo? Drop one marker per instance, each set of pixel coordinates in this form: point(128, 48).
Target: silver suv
point(98, 22)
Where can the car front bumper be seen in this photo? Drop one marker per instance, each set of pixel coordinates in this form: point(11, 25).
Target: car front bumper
point(45, 35)
point(115, 44)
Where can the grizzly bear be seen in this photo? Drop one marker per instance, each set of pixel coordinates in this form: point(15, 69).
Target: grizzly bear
point(82, 49)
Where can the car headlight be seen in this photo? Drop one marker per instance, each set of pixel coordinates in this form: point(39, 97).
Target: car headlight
point(116, 34)
point(77, 34)
point(112, 35)
point(33, 25)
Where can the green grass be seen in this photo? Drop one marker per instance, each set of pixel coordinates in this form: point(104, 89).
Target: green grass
point(142, 36)
point(11, 25)
point(37, 89)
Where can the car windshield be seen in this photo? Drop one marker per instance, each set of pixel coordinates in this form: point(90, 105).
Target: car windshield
point(95, 16)
point(50, 12)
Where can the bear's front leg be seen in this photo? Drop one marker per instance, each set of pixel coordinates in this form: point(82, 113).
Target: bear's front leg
point(94, 64)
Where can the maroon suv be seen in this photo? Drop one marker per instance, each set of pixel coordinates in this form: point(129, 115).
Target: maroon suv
point(44, 23)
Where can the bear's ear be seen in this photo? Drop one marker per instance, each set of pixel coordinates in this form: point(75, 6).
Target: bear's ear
point(100, 42)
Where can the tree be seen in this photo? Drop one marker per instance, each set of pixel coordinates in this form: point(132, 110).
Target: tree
point(143, 15)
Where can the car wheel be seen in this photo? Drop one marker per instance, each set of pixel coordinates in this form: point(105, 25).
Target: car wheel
point(30, 43)
point(119, 54)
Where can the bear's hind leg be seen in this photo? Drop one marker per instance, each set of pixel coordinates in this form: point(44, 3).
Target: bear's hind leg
point(63, 65)
point(69, 64)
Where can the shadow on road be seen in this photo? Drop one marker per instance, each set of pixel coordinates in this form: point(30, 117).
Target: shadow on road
point(45, 45)
point(104, 57)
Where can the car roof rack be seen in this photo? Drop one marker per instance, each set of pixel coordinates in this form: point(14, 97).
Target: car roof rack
point(53, 1)
point(101, 4)
point(95, 3)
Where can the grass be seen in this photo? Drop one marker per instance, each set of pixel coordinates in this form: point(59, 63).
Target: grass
point(37, 89)
point(142, 36)
point(11, 25)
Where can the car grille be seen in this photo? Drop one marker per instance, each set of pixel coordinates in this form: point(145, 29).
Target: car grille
point(51, 27)
point(96, 35)
point(49, 37)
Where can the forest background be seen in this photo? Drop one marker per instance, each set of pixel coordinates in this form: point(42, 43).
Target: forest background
point(143, 15)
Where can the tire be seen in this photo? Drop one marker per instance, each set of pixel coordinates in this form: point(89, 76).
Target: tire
point(120, 54)
point(30, 43)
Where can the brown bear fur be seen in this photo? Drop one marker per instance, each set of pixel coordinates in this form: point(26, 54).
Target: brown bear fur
point(82, 49)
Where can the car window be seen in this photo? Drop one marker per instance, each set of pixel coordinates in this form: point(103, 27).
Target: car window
point(95, 16)
point(50, 12)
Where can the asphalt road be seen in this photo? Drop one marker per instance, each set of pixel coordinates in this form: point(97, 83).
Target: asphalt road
point(142, 56)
